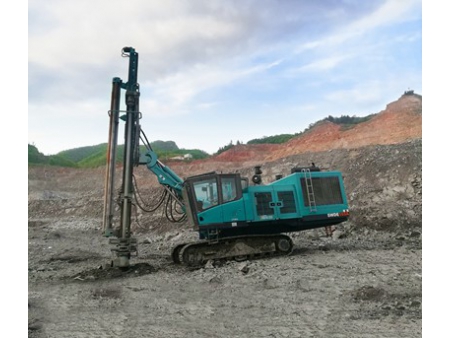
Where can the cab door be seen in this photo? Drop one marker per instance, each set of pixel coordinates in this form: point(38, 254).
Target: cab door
point(274, 202)
point(232, 203)
point(285, 200)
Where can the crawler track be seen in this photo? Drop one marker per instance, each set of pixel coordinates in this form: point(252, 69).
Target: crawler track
point(232, 248)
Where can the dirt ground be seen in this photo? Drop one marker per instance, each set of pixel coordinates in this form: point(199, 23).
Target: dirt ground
point(365, 281)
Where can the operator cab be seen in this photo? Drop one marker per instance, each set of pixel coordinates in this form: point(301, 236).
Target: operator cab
point(212, 189)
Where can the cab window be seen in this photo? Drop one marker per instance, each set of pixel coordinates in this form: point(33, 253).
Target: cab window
point(206, 194)
point(229, 190)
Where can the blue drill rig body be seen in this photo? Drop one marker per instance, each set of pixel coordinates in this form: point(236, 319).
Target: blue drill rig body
point(235, 217)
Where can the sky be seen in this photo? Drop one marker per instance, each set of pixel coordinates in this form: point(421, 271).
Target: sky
point(213, 72)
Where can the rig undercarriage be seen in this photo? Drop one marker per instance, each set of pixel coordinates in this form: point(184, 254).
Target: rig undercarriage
point(232, 248)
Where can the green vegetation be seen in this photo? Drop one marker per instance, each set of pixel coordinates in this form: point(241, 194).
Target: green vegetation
point(167, 146)
point(36, 157)
point(60, 161)
point(227, 147)
point(277, 139)
point(95, 156)
point(78, 154)
point(345, 121)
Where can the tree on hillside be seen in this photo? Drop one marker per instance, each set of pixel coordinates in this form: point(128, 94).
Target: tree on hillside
point(225, 148)
point(347, 119)
point(34, 156)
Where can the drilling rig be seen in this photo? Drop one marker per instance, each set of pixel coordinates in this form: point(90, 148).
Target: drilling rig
point(235, 217)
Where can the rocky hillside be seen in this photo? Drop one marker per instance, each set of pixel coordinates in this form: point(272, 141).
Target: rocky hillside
point(400, 122)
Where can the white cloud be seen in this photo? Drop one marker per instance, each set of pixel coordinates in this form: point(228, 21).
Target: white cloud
point(323, 64)
point(391, 12)
point(175, 93)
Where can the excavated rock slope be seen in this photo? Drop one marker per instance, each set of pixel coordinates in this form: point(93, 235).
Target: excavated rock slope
point(400, 122)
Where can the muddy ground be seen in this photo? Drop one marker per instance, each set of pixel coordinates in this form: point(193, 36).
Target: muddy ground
point(365, 281)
